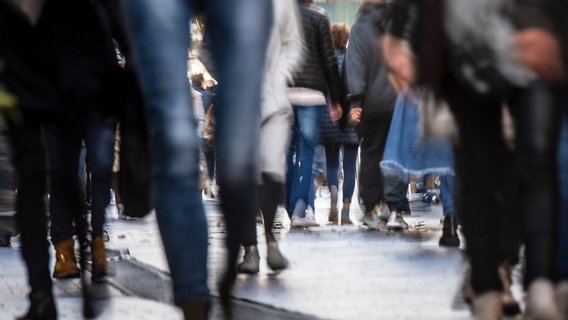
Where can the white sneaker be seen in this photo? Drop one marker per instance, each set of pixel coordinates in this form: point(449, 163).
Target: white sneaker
point(309, 220)
point(396, 222)
point(370, 219)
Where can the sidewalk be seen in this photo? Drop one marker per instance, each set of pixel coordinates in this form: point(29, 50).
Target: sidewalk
point(336, 272)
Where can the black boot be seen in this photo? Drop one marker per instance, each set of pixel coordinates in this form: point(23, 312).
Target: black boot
point(449, 232)
point(195, 309)
point(42, 306)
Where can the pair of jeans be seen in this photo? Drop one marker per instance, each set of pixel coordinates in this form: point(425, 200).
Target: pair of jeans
point(300, 158)
point(239, 32)
point(332, 157)
point(100, 138)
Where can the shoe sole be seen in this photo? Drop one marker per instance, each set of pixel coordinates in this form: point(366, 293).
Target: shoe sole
point(396, 228)
point(67, 275)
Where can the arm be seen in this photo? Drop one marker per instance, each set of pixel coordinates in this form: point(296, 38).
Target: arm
point(292, 45)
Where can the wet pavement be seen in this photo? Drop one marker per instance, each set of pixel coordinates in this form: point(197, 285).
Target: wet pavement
point(336, 272)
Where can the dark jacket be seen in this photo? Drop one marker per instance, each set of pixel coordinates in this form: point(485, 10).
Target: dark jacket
point(65, 65)
point(319, 69)
point(366, 74)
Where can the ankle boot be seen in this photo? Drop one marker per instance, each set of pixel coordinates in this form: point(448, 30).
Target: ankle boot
point(250, 262)
point(42, 306)
point(65, 260)
point(333, 205)
point(510, 305)
point(98, 256)
point(450, 236)
point(487, 306)
point(195, 309)
point(274, 258)
point(345, 215)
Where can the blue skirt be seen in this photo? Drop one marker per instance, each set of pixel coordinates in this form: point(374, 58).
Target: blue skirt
point(407, 153)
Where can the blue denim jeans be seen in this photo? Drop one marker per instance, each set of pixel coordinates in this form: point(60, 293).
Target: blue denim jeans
point(332, 156)
point(305, 135)
point(100, 139)
point(160, 36)
point(446, 193)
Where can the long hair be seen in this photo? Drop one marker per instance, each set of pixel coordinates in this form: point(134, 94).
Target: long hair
point(340, 35)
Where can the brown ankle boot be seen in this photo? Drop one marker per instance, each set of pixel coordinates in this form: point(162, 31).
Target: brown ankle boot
point(98, 255)
point(65, 260)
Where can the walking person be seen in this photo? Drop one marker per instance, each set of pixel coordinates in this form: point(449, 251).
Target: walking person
point(372, 100)
point(482, 155)
point(160, 35)
point(55, 79)
point(319, 76)
point(341, 143)
point(284, 57)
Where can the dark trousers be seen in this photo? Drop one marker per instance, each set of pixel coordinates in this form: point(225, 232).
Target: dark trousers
point(489, 193)
point(64, 146)
point(373, 132)
point(29, 160)
point(538, 113)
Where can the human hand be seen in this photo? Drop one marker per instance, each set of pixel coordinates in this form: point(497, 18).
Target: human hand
point(355, 115)
point(335, 111)
point(539, 50)
point(400, 62)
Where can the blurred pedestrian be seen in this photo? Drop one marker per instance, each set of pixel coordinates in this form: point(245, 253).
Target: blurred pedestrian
point(476, 79)
point(160, 35)
point(284, 57)
point(372, 100)
point(56, 76)
point(318, 77)
point(341, 144)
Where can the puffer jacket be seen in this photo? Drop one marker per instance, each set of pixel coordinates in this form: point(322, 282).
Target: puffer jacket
point(319, 69)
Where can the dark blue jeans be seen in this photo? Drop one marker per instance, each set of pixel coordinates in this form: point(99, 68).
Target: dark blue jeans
point(305, 134)
point(332, 157)
point(239, 32)
point(100, 138)
point(447, 194)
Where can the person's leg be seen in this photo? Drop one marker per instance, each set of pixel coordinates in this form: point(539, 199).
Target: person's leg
point(349, 164)
point(308, 122)
point(29, 161)
point(100, 139)
point(349, 174)
point(480, 159)
point(239, 34)
point(538, 128)
point(537, 140)
point(373, 133)
point(332, 170)
point(160, 37)
point(64, 145)
point(449, 236)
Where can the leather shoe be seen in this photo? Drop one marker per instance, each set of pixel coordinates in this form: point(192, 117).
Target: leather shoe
point(42, 306)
